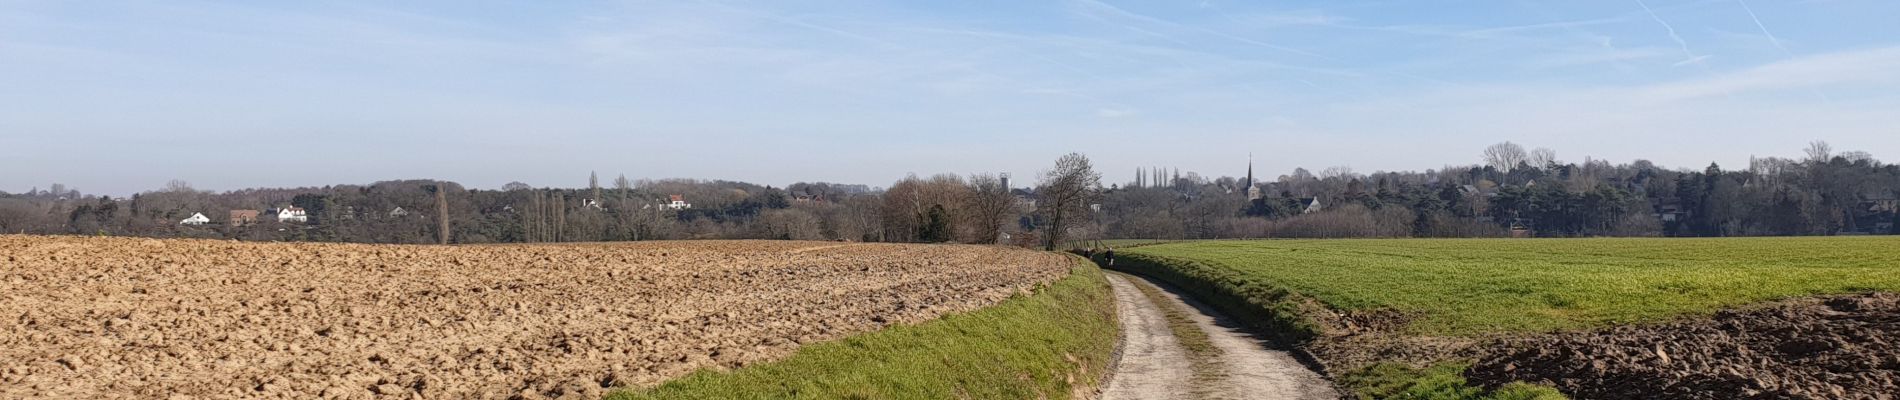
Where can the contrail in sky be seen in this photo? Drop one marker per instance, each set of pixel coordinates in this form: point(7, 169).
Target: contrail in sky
point(1764, 28)
point(1693, 58)
point(1777, 41)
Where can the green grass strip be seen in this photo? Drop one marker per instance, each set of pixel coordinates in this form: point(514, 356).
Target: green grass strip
point(1444, 381)
point(1052, 344)
point(1271, 309)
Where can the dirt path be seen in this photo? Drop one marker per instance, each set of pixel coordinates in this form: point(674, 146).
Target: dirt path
point(1153, 363)
point(1156, 365)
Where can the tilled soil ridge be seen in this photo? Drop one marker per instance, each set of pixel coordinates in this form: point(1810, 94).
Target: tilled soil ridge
point(144, 318)
point(1818, 348)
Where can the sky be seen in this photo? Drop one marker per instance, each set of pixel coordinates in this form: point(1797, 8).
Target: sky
point(119, 97)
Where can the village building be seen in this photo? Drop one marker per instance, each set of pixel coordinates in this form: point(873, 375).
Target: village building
point(678, 202)
point(291, 214)
point(1882, 205)
point(242, 217)
point(398, 212)
point(1312, 205)
point(195, 219)
point(1025, 198)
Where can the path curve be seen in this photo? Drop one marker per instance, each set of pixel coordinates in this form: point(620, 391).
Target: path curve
point(1155, 366)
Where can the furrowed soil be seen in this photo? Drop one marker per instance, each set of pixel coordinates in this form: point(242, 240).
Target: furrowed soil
point(1815, 348)
point(144, 318)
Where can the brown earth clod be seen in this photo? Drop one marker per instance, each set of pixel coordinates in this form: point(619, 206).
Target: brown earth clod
point(1845, 347)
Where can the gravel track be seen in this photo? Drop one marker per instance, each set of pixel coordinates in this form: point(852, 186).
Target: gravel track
point(1154, 366)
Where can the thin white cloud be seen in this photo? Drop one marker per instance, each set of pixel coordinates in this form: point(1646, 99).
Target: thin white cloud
point(1124, 13)
point(1692, 61)
point(799, 22)
point(1494, 32)
point(1596, 55)
point(1864, 67)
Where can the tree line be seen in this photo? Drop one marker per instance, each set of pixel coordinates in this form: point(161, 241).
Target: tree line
point(1513, 192)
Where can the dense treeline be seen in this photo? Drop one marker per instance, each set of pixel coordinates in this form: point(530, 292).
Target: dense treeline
point(942, 208)
point(1514, 192)
point(408, 212)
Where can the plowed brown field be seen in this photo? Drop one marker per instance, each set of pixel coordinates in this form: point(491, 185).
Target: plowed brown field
point(144, 318)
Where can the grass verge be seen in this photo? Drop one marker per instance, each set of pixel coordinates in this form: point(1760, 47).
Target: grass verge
point(1055, 344)
point(1272, 309)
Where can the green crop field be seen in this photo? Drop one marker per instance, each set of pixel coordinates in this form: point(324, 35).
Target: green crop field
point(1462, 287)
point(1116, 243)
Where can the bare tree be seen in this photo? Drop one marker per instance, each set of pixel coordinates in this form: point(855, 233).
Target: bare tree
point(1065, 195)
point(1299, 175)
point(1820, 152)
point(1543, 157)
point(788, 224)
point(513, 186)
point(623, 185)
point(442, 214)
point(593, 184)
point(175, 186)
point(1340, 171)
point(1505, 156)
point(987, 204)
point(1857, 156)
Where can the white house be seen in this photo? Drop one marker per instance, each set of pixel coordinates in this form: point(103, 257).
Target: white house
point(398, 212)
point(196, 219)
point(678, 202)
point(1313, 206)
point(291, 214)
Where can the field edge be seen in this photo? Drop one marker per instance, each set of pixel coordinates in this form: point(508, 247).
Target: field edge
point(1007, 350)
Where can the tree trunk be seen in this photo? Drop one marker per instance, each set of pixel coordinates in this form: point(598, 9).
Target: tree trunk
point(442, 214)
point(1055, 230)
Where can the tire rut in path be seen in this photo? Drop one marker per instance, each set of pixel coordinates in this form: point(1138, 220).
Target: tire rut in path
point(1154, 365)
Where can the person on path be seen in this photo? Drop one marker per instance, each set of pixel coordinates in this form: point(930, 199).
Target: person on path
point(1110, 256)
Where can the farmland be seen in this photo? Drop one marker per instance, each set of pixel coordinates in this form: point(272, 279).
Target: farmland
point(1060, 339)
point(1361, 303)
point(90, 317)
point(1475, 286)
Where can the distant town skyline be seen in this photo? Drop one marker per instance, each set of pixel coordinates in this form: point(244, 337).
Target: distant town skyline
point(121, 97)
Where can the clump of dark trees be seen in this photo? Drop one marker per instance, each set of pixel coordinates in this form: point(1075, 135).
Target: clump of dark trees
point(1513, 192)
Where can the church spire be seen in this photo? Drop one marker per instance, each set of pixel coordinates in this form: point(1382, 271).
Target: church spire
point(1249, 172)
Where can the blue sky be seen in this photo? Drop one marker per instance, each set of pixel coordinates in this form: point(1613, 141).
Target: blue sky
point(117, 97)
